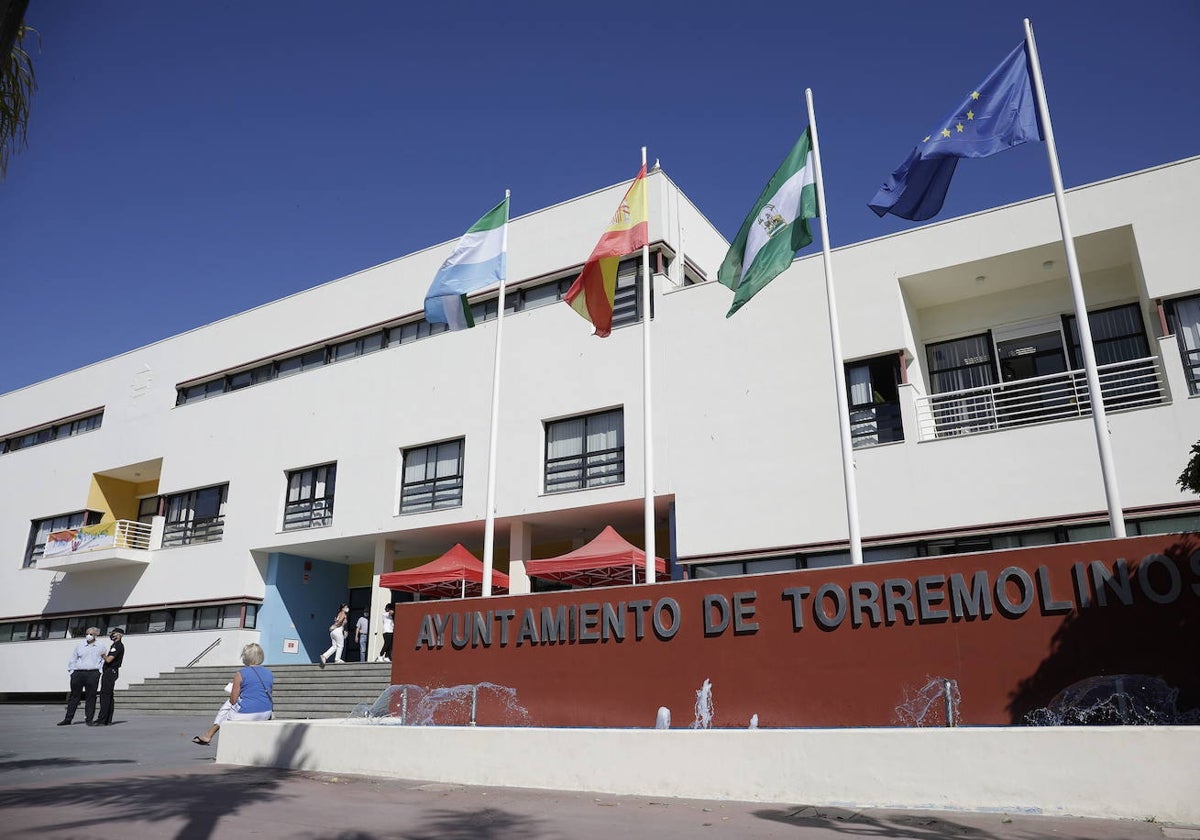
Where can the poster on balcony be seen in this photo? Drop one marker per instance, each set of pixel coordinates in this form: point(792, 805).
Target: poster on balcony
point(86, 538)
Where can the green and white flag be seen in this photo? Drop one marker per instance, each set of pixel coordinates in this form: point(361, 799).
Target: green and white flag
point(776, 228)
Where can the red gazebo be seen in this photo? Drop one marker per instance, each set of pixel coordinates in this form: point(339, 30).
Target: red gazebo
point(608, 560)
point(456, 574)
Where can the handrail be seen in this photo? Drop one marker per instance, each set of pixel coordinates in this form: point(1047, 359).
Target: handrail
point(1131, 384)
point(203, 653)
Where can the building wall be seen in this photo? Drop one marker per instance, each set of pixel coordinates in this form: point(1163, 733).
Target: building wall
point(745, 420)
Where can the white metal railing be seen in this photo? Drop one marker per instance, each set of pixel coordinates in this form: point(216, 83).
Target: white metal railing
point(129, 534)
point(1043, 399)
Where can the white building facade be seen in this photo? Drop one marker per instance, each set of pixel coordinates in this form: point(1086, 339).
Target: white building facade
point(241, 480)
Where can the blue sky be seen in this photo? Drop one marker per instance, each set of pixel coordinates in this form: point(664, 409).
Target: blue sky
point(191, 160)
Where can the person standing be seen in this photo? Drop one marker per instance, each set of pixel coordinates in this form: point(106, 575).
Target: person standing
point(109, 673)
point(84, 668)
point(362, 632)
point(389, 627)
point(337, 636)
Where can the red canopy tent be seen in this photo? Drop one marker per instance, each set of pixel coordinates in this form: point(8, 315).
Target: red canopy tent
point(608, 560)
point(456, 574)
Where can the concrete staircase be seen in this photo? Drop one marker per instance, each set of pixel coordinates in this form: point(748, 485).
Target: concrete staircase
point(300, 692)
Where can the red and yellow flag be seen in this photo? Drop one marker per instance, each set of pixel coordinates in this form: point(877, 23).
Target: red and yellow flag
point(592, 293)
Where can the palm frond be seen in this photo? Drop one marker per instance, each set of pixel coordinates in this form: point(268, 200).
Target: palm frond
point(17, 85)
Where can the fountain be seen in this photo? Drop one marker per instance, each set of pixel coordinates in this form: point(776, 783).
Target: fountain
point(704, 707)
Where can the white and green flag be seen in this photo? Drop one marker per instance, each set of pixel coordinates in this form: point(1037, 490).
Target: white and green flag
point(776, 228)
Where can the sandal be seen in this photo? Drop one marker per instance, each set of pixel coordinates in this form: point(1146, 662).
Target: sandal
point(196, 739)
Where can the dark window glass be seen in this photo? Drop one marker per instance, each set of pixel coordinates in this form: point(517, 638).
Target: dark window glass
point(433, 477)
point(1118, 336)
point(195, 516)
point(587, 451)
point(961, 365)
point(310, 497)
point(1184, 318)
point(874, 401)
point(41, 529)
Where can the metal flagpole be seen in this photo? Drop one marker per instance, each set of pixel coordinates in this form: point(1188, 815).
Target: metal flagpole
point(835, 338)
point(1116, 517)
point(489, 528)
point(647, 429)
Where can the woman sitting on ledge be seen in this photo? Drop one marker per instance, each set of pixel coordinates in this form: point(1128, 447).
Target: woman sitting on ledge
point(249, 697)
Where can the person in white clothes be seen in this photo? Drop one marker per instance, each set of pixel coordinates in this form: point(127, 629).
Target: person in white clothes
point(389, 627)
point(337, 636)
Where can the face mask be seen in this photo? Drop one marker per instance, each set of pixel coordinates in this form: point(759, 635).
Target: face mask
point(90, 637)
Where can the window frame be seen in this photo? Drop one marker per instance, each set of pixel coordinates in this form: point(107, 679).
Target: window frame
point(593, 465)
point(444, 492)
point(190, 529)
point(302, 507)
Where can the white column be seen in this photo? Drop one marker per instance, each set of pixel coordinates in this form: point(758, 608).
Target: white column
point(520, 544)
point(379, 597)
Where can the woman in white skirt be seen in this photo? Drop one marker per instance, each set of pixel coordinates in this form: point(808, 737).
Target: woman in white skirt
point(249, 694)
point(337, 635)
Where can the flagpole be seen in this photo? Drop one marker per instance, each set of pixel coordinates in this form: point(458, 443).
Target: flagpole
point(835, 338)
point(489, 527)
point(647, 428)
point(1116, 517)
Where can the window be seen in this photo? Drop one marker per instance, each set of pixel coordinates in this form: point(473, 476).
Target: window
point(310, 497)
point(296, 364)
point(433, 477)
point(357, 347)
point(958, 365)
point(627, 301)
point(1184, 318)
point(41, 529)
point(1118, 335)
point(586, 451)
point(147, 510)
point(195, 516)
point(874, 401)
point(53, 431)
point(246, 378)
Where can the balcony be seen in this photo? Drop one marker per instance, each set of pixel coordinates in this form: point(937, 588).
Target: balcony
point(93, 547)
point(1061, 396)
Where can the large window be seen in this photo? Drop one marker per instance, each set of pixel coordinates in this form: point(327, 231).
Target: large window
point(195, 516)
point(433, 477)
point(41, 529)
point(874, 401)
point(1184, 317)
point(587, 451)
point(310, 497)
point(956, 366)
point(1118, 335)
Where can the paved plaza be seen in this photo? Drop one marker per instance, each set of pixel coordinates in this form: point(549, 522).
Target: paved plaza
point(143, 778)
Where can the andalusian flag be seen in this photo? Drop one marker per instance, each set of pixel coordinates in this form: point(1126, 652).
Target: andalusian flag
point(592, 293)
point(776, 228)
point(477, 261)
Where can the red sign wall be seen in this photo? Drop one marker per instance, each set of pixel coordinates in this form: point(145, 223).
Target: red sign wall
point(847, 646)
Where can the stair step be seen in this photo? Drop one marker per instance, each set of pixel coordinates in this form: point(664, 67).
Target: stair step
point(301, 691)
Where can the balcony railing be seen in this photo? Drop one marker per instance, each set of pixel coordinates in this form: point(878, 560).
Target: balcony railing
point(1043, 399)
point(120, 543)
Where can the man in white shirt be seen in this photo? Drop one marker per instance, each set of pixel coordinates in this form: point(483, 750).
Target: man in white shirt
point(84, 668)
point(362, 629)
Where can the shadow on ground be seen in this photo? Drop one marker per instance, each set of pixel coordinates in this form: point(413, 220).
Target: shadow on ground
point(858, 824)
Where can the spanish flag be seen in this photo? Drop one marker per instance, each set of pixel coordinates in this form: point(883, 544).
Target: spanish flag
point(592, 293)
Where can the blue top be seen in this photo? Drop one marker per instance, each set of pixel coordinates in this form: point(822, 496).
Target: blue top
point(256, 687)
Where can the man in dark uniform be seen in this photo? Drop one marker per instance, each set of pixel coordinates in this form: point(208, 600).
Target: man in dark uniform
point(108, 676)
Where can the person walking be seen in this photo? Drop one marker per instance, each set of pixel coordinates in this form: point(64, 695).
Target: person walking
point(249, 697)
point(108, 674)
point(84, 668)
point(389, 627)
point(337, 636)
point(362, 633)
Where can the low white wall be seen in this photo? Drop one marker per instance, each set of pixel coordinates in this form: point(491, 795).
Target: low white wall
point(1110, 772)
point(41, 665)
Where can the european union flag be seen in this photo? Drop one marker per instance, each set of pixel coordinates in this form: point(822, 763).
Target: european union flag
point(997, 115)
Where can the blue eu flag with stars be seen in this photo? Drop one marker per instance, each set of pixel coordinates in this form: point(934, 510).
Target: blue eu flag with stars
point(998, 114)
